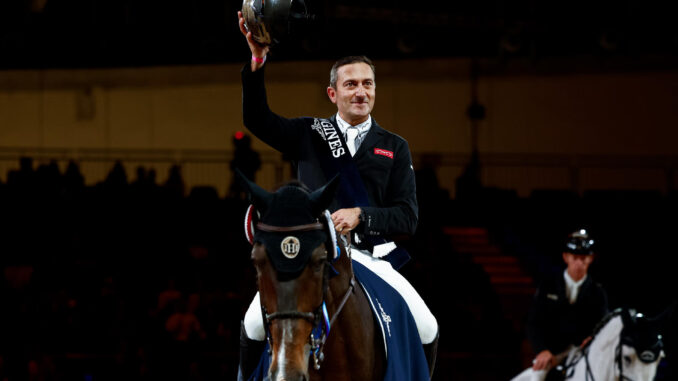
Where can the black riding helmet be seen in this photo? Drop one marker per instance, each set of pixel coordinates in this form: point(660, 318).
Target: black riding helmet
point(579, 242)
point(271, 20)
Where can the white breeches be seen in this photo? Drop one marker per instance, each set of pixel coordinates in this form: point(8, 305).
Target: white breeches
point(427, 324)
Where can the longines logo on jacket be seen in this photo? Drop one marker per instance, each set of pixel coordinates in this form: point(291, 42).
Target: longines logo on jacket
point(327, 131)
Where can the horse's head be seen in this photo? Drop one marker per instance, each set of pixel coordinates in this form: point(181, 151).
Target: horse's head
point(293, 242)
point(641, 346)
point(626, 346)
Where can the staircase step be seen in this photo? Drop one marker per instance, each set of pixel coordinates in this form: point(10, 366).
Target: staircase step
point(522, 280)
point(464, 231)
point(478, 249)
point(515, 290)
point(509, 269)
point(469, 240)
point(494, 260)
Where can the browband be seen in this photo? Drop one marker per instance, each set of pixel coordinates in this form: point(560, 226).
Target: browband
point(298, 228)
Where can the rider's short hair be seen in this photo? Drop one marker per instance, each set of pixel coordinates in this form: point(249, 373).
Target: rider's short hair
point(347, 61)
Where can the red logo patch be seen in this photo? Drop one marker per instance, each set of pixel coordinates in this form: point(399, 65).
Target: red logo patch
point(383, 152)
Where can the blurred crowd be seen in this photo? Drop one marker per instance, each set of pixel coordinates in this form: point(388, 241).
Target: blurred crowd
point(136, 280)
point(125, 279)
point(131, 279)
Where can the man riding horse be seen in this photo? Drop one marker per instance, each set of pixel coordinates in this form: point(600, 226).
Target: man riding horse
point(376, 197)
point(566, 307)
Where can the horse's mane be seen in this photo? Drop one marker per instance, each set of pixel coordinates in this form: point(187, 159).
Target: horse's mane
point(606, 319)
point(601, 325)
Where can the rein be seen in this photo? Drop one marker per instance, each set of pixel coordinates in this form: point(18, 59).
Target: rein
point(319, 317)
point(589, 373)
point(585, 353)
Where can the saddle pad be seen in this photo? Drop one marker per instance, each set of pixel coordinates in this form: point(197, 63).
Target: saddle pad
point(405, 359)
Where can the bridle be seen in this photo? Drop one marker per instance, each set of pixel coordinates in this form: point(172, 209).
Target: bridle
point(319, 318)
point(618, 359)
point(585, 354)
point(589, 373)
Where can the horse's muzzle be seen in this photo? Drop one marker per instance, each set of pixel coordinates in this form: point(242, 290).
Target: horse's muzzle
point(290, 376)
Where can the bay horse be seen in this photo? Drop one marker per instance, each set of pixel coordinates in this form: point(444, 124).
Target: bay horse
point(626, 346)
point(318, 321)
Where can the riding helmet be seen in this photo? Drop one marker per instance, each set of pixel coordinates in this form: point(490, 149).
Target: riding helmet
point(579, 242)
point(271, 20)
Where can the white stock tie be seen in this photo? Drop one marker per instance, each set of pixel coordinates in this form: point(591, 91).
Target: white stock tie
point(351, 134)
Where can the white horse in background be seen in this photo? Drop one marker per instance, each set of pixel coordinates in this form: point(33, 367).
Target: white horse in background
point(626, 346)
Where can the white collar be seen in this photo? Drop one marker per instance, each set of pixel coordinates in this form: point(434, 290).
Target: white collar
point(571, 282)
point(362, 127)
point(572, 287)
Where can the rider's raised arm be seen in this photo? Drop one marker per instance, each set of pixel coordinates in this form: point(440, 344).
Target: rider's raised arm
point(280, 133)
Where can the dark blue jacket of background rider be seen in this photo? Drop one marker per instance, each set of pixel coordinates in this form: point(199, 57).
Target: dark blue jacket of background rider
point(554, 323)
point(389, 181)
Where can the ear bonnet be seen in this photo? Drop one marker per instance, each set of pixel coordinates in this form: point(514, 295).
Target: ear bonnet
point(291, 223)
point(643, 335)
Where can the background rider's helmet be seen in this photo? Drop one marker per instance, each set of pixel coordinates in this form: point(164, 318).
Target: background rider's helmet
point(271, 20)
point(579, 242)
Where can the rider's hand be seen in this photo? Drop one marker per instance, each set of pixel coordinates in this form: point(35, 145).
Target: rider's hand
point(256, 49)
point(346, 220)
point(544, 360)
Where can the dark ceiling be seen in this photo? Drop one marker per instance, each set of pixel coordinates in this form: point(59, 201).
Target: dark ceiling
point(111, 33)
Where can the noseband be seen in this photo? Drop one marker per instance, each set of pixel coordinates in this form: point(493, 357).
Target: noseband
point(319, 318)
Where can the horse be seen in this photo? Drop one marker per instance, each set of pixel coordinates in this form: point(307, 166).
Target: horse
point(625, 346)
point(307, 289)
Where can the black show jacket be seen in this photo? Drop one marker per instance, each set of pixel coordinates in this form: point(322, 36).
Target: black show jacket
point(554, 323)
point(389, 181)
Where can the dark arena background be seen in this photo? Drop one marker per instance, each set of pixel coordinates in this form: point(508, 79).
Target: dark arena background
point(121, 243)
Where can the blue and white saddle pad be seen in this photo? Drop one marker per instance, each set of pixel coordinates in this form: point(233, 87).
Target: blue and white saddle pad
point(405, 359)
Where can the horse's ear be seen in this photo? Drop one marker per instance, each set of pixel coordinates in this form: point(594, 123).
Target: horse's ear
point(322, 197)
point(628, 316)
point(258, 195)
point(663, 318)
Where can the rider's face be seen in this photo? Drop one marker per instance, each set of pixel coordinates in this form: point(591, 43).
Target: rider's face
point(354, 93)
point(577, 265)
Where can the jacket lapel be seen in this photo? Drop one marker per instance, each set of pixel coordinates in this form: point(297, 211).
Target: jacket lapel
point(373, 136)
